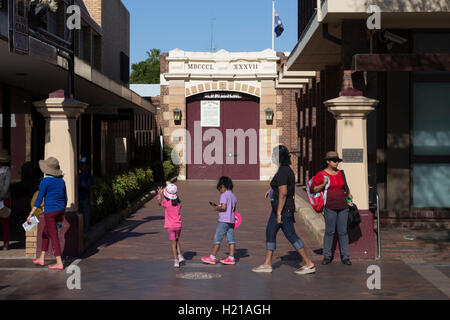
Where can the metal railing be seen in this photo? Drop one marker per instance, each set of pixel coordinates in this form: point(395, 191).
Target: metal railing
point(378, 226)
point(375, 194)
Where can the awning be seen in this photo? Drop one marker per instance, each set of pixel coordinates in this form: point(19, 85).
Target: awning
point(401, 62)
point(40, 77)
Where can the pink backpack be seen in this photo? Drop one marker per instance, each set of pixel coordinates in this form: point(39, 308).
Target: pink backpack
point(317, 200)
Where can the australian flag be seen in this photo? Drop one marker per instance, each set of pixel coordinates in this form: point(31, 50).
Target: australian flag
point(279, 28)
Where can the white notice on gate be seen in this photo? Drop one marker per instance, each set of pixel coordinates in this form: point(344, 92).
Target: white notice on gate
point(210, 113)
point(121, 150)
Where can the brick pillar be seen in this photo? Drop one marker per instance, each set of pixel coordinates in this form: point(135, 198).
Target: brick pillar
point(31, 242)
point(60, 114)
point(351, 114)
point(176, 99)
point(351, 138)
point(269, 133)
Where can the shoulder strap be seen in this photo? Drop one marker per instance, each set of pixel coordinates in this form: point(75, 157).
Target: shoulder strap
point(346, 188)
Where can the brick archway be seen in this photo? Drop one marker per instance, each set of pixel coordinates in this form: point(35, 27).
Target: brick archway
point(231, 86)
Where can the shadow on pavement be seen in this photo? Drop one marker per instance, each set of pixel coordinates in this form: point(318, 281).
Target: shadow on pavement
point(189, 255)
point(292, 259)
point(241, 253)
point(124, 231)
point(15, 245)
point(319, 252)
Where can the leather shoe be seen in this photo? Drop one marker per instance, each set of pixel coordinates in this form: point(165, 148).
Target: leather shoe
point(347, 262)
point(326, 261)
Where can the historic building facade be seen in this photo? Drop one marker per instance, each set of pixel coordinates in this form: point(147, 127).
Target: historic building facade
point(224, 112)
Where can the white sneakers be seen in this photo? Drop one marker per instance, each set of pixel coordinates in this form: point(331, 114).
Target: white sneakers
point(178, 261)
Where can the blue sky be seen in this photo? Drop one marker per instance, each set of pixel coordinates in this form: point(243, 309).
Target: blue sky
point(239, 25)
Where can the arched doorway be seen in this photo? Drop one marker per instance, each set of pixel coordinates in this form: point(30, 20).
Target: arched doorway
point(224, 136)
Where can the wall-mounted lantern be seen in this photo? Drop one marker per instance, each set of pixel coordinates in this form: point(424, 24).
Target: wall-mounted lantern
point(177, 115)
point(269, 115)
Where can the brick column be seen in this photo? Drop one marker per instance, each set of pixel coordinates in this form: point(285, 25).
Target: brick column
point(176, 98)
point(61, 114)
point(31, 243)
point(351, 114)
point(269, 133)
point(61, 141)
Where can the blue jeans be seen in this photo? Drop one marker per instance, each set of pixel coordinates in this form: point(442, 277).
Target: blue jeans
point(83, 206)
point(288, 229)
point(222, 229)
point(335, 218)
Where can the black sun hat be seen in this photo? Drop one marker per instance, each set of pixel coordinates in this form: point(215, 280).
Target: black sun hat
point(333, 155)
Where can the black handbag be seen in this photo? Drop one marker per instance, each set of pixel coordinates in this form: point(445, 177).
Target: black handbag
point(354, 218)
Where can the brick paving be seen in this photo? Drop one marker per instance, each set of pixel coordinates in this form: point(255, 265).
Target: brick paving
point(199, 226)
point(429, 245)
point(134, 262)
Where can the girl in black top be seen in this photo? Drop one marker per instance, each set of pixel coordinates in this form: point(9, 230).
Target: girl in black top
point(282, 195)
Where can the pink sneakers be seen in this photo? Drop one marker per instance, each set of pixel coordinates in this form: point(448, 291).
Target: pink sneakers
point(208, 260)
point(228, 261)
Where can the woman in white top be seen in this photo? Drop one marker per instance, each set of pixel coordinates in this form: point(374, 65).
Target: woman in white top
point(5, 194)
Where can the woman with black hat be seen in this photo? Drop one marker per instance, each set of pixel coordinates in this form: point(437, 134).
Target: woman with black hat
point(53, 190)
point(5, 196)
point(336, 208)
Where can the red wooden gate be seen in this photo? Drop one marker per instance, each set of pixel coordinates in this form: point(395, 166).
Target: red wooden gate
point(239, 152)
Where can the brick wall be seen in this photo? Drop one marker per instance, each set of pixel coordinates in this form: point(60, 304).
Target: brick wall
point(288, 121)
point(287, 118)
point(95, 9)
point(164, 64)
point(164, 67)
point(164, 108)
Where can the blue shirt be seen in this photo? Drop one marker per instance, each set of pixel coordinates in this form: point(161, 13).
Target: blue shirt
point(55, 194)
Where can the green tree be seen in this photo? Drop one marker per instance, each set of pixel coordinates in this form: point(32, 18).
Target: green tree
point(148, 71)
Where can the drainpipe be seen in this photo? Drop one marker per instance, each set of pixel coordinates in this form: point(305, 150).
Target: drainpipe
point(325, 33)
point(319, 11)
point(328, 36)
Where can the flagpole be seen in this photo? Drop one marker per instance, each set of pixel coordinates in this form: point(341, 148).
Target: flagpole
point(273, 25)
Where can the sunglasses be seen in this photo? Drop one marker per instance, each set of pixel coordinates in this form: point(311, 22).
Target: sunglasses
point(335, 159)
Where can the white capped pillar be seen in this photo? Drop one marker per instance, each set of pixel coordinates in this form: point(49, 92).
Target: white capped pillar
point(60, 115)
point(351, 114)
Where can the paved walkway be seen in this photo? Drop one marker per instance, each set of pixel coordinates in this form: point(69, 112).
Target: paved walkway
point(134, 262)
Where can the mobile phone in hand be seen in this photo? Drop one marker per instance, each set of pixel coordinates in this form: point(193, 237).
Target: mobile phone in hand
point(213, 204)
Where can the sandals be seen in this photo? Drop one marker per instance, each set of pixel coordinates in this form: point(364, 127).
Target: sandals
point(262, 269)
point(55, 267)
point(39, 263)
point(305, 270)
